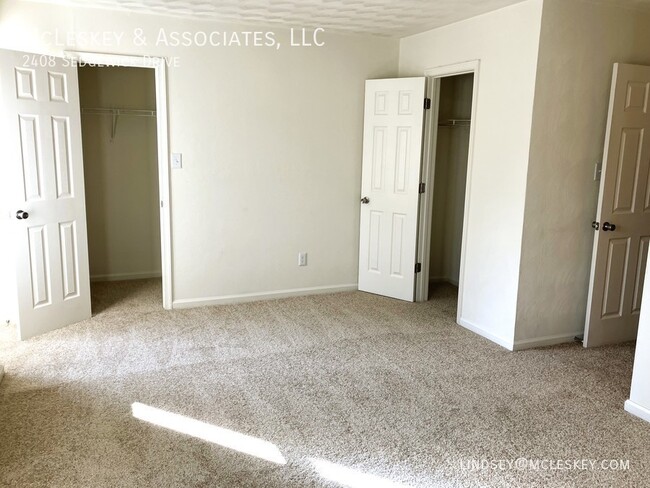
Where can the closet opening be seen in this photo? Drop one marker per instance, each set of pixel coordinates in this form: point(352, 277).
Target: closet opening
point(120, 154)
point(445, 171)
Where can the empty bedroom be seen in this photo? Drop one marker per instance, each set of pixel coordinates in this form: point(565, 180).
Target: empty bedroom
point(324, 243)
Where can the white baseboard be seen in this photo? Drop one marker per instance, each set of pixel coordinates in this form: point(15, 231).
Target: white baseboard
point(508, 344)
point(268, 295)
point(545, 341)
point(637, 410)
point(126, 276)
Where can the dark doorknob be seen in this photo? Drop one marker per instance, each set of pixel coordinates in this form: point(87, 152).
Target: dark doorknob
point(607, 226)
point(365, 200)
point(22, 215)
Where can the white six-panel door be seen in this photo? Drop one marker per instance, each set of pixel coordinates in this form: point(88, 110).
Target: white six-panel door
point(41, 133)
point(392, 150)
point(620, 253)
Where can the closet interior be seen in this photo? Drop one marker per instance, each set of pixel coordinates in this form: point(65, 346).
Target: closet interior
point(450, 175)
point(118, 115)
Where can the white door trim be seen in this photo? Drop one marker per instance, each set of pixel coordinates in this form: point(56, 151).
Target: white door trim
point(162, 127)
point(428, 164)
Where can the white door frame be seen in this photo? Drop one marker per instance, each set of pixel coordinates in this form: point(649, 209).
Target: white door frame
point(159, 65)
point(434, 76)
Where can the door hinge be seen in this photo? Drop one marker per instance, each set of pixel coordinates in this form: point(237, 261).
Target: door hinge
point(418, 267)
point(427, 103)
point(422, 188)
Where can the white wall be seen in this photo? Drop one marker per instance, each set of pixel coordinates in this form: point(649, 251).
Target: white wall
point(271, 143)
point(580, 41)
point(506, 43)
point(450, 176)
point(121, 175)
point(639, 402)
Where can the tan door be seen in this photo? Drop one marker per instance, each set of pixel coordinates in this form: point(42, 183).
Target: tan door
point(41, 132)
point(622, 227)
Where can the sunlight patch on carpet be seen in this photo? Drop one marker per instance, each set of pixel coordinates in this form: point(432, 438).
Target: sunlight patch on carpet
point(351, 477)
point(231, 439)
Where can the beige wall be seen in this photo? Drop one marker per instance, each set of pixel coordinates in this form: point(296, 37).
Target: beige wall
point(8, 285)
point(271, 143)
point(8, 291)
point(121, 175)
point(506, 43)
point(580, 41)
point(450, 178)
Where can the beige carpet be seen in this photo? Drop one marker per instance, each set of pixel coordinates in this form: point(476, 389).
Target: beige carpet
point(345, 385)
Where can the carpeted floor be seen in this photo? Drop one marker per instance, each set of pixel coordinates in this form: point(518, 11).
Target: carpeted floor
point(352, 387)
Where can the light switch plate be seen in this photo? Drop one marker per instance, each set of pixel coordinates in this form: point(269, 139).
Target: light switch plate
point(177, 160)
point(598, 171)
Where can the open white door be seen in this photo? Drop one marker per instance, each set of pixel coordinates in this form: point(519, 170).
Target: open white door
point(623, 220)
point(392, 154)
point(41, 131)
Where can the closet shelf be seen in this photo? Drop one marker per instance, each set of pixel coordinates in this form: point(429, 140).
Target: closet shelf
point(455, 123)
point(115, 113)
point(118, 111)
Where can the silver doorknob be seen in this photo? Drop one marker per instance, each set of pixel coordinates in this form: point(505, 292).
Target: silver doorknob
point(607, 226)
point(22, 215)
point(365, 200)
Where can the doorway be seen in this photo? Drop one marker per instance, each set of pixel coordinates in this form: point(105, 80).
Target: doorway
point(121, 181)
point(446, 171)
point(449, 181)
point(41, 118)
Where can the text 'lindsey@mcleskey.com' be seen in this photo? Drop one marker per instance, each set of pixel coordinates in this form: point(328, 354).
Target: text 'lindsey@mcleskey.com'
point(537, 464)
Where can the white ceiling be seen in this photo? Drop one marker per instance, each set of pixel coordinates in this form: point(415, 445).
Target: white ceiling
point(381, 17)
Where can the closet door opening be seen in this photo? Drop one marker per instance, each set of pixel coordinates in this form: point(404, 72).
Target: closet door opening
point(450, 175)
point(445, 173)
point(119, 132)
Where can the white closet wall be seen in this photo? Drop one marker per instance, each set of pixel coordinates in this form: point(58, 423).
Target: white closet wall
point(121, 175)
point(450, 177)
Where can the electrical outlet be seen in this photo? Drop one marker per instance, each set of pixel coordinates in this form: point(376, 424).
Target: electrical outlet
point(302, 259)
point(177, 160)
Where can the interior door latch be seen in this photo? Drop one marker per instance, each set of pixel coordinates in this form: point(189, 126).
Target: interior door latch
point(595, 225)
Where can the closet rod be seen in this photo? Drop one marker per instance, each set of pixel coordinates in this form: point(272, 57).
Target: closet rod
point(456, 123)
point(115, 113)
point(118, 111)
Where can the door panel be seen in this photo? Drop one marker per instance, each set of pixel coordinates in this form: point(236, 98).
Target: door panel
point(397, 246)
point(392, 147)
point(640, 273)
point(70, 260)
point(40, 119)
point(62, 160)
point(620, 255)
point(39, 265)
point(628, 170)
point(617, 259)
